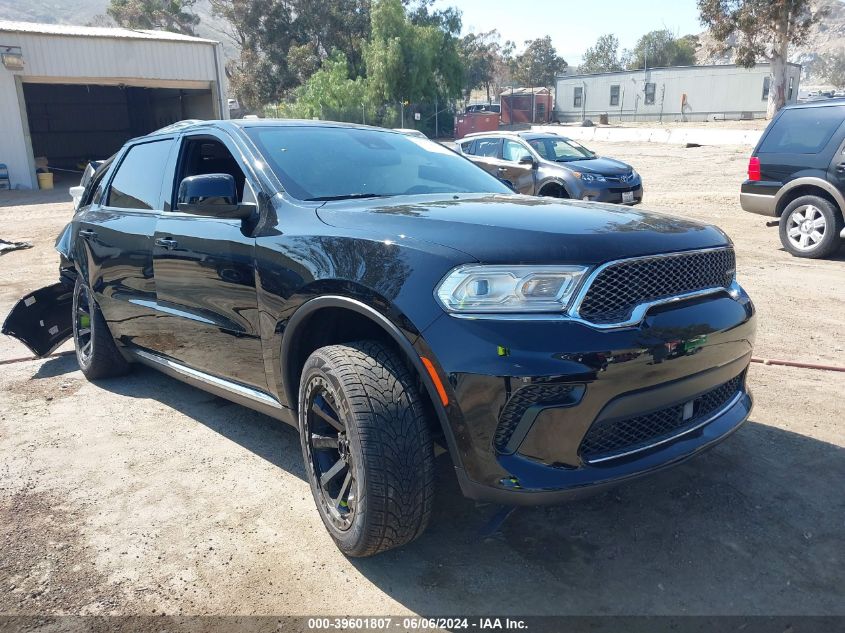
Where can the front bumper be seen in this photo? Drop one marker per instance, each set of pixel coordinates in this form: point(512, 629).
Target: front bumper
point(614, 193)
point(677, 354)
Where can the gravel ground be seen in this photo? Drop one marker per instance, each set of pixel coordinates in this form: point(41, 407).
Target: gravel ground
point(141, 495)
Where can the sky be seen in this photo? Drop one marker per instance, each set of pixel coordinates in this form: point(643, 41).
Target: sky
point(575, 25)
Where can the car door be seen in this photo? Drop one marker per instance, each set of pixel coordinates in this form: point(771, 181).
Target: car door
point(205, 272)
point(114, 240)
point(521, 176)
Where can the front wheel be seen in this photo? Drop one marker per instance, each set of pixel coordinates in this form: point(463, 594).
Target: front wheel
point(810, 227)
point(367, 447)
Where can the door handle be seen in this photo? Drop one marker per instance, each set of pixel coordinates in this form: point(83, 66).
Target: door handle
point(87, 233)
point(501, 169)
point(840, 168)
point(167, 243)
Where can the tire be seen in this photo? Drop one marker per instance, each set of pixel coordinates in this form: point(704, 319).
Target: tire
point(367, 447)
point(810, 227)
point(96, 350)
point(554, 191)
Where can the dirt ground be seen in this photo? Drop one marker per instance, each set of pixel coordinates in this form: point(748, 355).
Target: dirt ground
point(141, 495)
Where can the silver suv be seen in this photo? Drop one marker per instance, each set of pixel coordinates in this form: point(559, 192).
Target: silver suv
point(544, 164)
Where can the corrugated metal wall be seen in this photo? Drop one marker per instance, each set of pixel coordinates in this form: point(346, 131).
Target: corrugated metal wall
point(680, 94)
point(95, 61)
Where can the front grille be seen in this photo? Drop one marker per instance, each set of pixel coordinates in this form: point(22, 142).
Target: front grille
point(621, 287)
point(518, 405)
point(622, 178)
point(613, 438)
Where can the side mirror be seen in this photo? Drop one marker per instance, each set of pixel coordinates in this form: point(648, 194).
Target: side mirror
point(528, 160)
point(76, 193)
point(214, 195)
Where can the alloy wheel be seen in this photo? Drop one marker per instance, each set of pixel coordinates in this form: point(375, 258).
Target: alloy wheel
point(330, 455)
point(806, 227)
point(82, 322)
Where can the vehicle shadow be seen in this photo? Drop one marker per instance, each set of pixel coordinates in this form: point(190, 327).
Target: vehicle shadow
point(754, 526)
point(270, 439)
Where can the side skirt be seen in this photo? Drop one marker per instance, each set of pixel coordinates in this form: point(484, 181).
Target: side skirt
point(236, 392)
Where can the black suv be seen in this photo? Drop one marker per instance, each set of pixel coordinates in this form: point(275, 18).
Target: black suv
point(384, 295)
point(797, 173)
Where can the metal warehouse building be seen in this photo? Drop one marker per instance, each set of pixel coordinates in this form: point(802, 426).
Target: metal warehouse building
point(72, 94)
point(685, 93)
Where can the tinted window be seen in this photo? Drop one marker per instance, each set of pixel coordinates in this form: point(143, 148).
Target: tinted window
point(614, 95)
point(767, 84)
point(137, 183)
point(322, 163)
point(577, 97)
point(466, 148)
point(802, 131)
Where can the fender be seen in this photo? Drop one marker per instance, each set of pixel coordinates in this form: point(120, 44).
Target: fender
point(812, 181)
point(396, 334)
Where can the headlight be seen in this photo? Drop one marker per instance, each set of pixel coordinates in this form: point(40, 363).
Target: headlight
point(634, 174)
point(587, 177)
point(477, 288)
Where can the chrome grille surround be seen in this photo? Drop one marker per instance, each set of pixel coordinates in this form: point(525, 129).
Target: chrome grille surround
point(617, 293)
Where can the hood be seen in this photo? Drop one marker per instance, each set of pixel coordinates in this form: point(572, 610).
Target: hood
point(603, 166)
point(500, 228)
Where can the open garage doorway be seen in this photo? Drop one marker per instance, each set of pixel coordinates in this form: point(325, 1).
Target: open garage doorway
point(71, 124)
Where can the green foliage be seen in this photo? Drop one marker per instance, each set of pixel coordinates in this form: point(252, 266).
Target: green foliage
point(603, 56)
point(283, 42)
point(660, 49)
point(167, 15)
point(407, 61)
point(485, 60)
point(330, 94)
point(538, 64)
point(758, 29)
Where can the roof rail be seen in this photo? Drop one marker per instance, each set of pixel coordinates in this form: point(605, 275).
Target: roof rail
point(173, 127)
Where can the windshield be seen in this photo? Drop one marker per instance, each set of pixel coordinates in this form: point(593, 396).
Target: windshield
point(560, 150)
point(335, 163)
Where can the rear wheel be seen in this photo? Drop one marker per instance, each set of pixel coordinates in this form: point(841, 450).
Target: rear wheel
point(367, 447)
point(96, 350)
point(810, 227)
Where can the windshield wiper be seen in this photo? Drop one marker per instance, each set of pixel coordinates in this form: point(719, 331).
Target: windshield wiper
point(347, 196)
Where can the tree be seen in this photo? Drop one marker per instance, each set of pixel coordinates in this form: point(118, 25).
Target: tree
point(283, 42)
point(330, 94)
point(407, 61)
point(602, 57)
point(484, 59)
point(834, 69)
point(167, 15)
point(538, 64)
point(661, 49)
point(762, 29)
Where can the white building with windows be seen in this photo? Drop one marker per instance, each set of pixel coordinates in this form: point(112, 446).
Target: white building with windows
point(683, 93)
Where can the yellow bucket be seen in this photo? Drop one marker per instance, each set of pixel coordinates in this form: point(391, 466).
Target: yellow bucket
point(45, 180)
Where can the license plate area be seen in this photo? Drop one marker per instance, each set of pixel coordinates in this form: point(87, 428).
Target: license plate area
point(627, 197)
